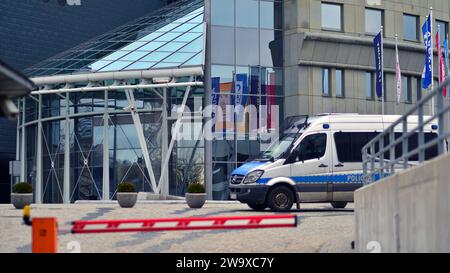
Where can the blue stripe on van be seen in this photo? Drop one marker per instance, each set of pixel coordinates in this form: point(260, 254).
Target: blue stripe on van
point(323, 179)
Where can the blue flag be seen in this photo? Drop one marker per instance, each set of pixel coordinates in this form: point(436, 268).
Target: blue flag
point(427, 75)
point(241, 89)
point(378, 46)
point(215, 90)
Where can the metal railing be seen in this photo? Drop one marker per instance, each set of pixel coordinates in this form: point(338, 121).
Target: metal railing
point(376, 166)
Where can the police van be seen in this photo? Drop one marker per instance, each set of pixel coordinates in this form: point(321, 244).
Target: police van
point(317, 160)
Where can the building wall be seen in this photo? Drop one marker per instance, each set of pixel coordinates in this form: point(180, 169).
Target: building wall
point(33, 30)
point(309, 48)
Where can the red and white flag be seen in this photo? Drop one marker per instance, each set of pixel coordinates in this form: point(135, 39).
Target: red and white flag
point(398, 74)
point(442, 75)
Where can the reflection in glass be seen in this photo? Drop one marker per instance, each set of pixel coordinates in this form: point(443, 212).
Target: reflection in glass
point(222, 45)
point(247, 53)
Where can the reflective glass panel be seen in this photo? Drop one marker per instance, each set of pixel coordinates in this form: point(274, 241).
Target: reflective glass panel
point(410, 27)
point(331, 16)
point(222, 12)
point(374, 20)
point(247, 13)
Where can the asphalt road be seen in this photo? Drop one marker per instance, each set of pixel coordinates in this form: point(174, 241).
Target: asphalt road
point(320, 229)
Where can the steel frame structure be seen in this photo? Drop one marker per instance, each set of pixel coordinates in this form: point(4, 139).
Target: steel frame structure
point(149, 80)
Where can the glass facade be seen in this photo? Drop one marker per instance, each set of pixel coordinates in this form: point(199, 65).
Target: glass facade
point(246, 45)
point(246, 48)
point(171, 37)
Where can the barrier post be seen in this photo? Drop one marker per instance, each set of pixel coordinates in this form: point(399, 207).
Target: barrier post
point(44, 235)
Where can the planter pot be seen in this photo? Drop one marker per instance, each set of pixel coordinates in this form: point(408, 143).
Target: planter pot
point(127, 199)
point(195, 200)
point(20, 200)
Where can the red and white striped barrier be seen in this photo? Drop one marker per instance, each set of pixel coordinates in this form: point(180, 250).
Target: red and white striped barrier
point(194, 223)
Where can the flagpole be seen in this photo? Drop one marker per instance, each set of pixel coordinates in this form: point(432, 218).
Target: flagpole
point(432, 59)
point(382, 72)
point(396, 70)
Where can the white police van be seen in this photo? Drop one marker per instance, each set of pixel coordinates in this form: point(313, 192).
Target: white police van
point(317, 160)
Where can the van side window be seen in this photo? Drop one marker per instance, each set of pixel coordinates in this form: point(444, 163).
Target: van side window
point(349, 145)
point(311, 147)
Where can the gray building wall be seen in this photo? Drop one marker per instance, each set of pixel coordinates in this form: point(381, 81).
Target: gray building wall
point(308, 49)
point(34, 30)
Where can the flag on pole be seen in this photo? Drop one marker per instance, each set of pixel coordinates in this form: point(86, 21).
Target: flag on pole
point(446, 59)
point(378, 46)
point(427, 76)
point(398, 72)
point(441, 64)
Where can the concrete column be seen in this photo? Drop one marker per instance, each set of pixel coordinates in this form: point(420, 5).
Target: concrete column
point(106, 195)
point(66, 187)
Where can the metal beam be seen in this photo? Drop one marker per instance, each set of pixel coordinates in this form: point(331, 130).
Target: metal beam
point(120, 75)
point(38, 186)
point(141, 138)
point(23, 145)
point(105, 186)
point(164, 144)
point(116, 87)
point(66, 187)
point(165, 164)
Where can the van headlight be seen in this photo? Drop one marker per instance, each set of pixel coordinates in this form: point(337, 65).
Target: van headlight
point(252, 177)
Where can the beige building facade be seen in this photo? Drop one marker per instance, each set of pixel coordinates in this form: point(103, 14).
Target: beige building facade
point(329, 56)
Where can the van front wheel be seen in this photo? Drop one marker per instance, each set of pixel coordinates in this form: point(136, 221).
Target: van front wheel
point(339, 205)
point(281, 198)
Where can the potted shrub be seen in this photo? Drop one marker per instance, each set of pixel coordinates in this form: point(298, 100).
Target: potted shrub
point(22, 195)
point(126, 195)
point(195, 196)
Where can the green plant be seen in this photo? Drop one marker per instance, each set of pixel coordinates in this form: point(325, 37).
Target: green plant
point(126, 187)
point(23, 187)
point(196, 188)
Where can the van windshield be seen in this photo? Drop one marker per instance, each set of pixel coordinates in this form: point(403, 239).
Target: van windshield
point(278, 148)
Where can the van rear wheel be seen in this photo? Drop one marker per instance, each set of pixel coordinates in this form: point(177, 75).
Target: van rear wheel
point(280, 198)
point(339, 205)
point(258, 207)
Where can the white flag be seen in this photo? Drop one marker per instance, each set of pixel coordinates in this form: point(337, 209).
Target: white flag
point(398, 74)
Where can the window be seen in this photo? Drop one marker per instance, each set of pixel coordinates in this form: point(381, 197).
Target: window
point(222, 13)
point(222, 45)
point(370, 85)
point(349, 145)
point(339, 81)
point(407, 90)
point(311, 147)
point(246, 13)
point(443, 30)
point(331, 16)
point(326, 82)
point(374, 20)
point(269, 15)
point(418, 82)
point(247, 51)
point(410, 27)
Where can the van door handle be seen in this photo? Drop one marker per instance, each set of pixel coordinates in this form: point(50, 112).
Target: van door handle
point(340, 165)
point(323, 166)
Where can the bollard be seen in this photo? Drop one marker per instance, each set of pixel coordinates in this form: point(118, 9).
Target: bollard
point(44, 235)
